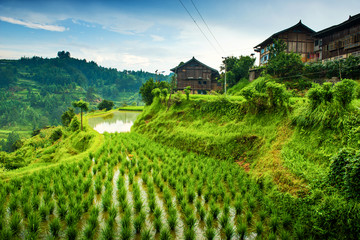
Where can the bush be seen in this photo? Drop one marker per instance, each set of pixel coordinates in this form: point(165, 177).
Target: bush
point(277, 94)
point(187, 91)
point(156, 92)
point(345, 172)
point(75, 124)
point(338, 166)
point(316, 96)
point(56, 134)
point(352, 177)
point(344, 92)
point(105, 104)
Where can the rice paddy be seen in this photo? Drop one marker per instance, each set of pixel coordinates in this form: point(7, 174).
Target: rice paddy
point(132, 188)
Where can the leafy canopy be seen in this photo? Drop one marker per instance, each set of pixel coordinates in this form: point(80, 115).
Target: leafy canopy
point(106, 104)
point(146, 90)
point(236, 68)
point(284, 65)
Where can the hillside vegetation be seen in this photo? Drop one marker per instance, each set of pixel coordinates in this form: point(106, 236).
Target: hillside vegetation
point(34, 92)
point(296, 143)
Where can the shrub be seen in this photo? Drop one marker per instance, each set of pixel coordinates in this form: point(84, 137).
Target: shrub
point(352, 177)
point(316, 96)
point(277, 94)
point(187, 91)
point(338, 166)
point(105, 104)
point(75, 124)
point(56, 134)
point(328, 92)
point(156, 92)
point(344, 92)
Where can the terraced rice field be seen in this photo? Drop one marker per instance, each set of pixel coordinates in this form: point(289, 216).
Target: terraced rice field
point(132, 188)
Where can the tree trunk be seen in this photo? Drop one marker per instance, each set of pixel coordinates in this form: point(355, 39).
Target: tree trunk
point(81, 121)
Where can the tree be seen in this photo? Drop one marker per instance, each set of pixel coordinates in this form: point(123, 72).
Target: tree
point(63, 54)
point(67, 116)
point(279, 46)
point(84, 107)
point(105, 104)
point(282, 64)
point(237, 68)
point(146, 90)
point(13, 142)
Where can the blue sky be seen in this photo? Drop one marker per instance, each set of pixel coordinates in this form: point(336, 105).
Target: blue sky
point(151, 35)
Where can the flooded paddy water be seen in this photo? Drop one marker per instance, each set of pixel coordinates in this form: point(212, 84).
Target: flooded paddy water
point(114, 122)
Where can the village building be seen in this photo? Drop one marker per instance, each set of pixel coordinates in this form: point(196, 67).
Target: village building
point(298, 38)
point(339, 41)
point(200, 77)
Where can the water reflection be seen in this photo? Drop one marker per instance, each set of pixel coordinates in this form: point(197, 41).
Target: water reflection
point(114, 122)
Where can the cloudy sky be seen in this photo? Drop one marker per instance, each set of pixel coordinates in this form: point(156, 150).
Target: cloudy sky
point(155, 34)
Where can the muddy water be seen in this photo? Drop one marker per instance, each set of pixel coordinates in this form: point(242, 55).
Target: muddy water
point(114, 122)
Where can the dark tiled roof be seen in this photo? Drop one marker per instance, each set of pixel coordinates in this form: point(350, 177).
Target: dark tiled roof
point(192, 60)
point(352, 20)
point(275, 35)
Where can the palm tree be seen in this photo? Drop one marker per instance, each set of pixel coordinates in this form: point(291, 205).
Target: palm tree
point(84, 106)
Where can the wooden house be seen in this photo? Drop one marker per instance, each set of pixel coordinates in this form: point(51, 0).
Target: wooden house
point(339, 41)
point(298, 38)
point(200, 77)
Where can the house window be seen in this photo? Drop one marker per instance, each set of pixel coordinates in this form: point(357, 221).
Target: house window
point(204, 82)
point(316, 42)
point(199, 82)
point(262, 51)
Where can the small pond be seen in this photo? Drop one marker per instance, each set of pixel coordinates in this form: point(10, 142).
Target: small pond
point(114, 122)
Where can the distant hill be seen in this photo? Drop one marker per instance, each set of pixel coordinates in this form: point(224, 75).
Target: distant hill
point(34, 92)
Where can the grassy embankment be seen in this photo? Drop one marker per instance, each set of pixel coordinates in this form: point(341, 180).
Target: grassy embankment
point(49, 148)
point(290, 146)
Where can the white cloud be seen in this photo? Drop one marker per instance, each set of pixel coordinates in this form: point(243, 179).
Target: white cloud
point(157, 38)
point(32, 25)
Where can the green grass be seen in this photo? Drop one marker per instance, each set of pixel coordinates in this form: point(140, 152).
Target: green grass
point(131, 108)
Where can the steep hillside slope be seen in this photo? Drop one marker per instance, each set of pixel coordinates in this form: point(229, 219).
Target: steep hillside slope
point(292, 144)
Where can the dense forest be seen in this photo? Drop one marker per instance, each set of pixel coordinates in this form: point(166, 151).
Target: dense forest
point(34, 92)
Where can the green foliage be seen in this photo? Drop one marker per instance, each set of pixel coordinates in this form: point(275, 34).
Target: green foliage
point(329, 106)
point(147, 88)
point(279, 46)
point(12, 143)
point(67, 116)
point(105, 104)
point(156, 92)
point(84, 107)
point(236, 69)
point(344, 172)
point(277, 94)
point(265, 94)
point(75, 124)
point(56, 134)
point(344, 68)
point(344, 92)
point(316, 96)
point(285, 66)
point(8, 74)
point(243, 82)
point(187, 91)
